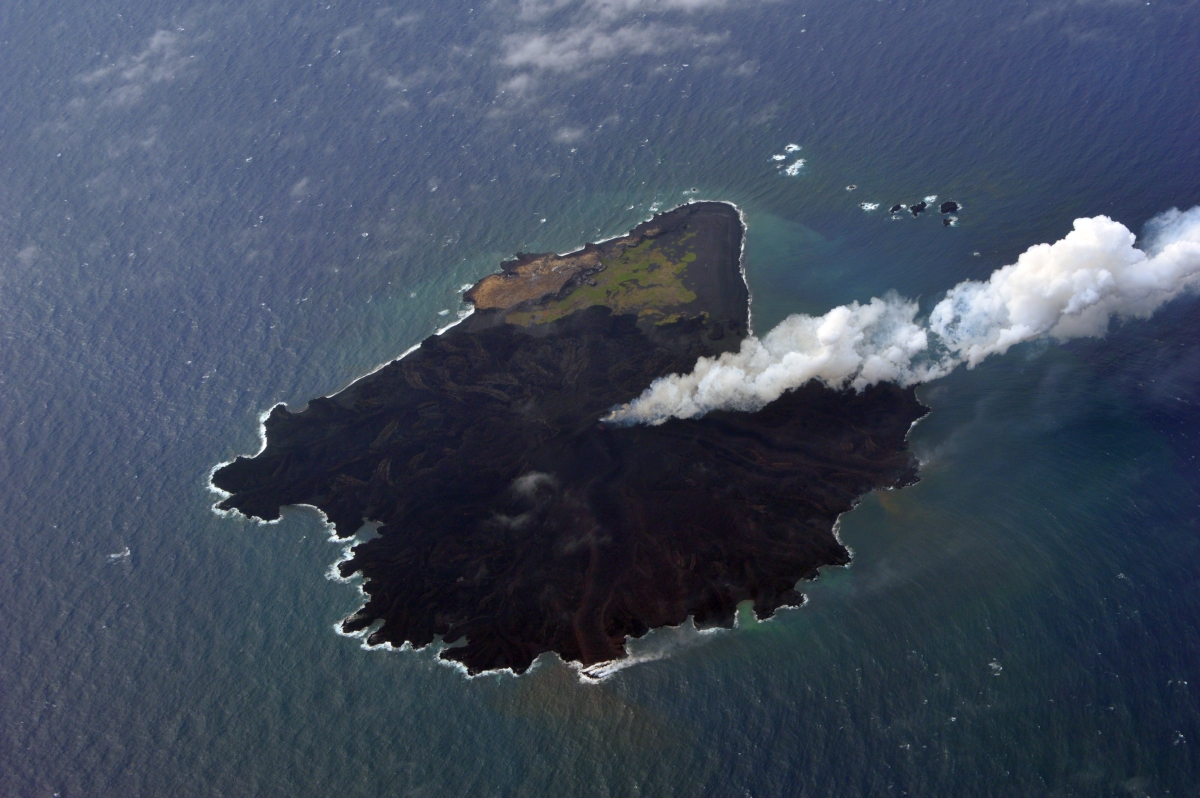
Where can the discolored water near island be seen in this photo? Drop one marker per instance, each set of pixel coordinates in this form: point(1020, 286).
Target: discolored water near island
point(513, 522)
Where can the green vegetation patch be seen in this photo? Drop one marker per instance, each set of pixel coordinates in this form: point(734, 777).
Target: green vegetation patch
point(645, 279)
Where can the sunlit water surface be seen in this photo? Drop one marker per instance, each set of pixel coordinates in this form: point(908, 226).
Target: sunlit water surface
point(208, 208)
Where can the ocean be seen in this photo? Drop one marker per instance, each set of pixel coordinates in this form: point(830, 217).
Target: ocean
point(208, 208)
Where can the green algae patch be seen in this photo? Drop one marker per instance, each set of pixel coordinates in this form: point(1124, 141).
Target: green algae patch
point(646, 279)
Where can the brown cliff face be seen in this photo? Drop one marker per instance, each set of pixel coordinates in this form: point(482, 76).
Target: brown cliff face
point(514, 520)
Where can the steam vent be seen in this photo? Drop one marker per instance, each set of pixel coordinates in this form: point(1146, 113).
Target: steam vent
point(513, 522)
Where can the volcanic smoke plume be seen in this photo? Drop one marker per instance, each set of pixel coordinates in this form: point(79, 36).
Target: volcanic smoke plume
point(1072, 288)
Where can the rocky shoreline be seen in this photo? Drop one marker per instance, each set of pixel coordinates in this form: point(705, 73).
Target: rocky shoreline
point(513, 522)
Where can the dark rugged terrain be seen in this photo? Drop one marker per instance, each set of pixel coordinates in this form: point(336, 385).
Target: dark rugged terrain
point(514, 521)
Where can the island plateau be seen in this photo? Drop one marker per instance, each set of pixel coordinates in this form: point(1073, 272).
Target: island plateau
point(512, 521)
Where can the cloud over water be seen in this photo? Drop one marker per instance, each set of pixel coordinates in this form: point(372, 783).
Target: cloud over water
point(1072, 288)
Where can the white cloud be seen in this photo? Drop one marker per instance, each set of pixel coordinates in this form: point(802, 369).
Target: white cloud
point(569, 135)
point(569, 36)
point(1073, 288)
point(574, 48)
point(29, 254)
point(124, 82)
point(520, 85)
point(614, 9)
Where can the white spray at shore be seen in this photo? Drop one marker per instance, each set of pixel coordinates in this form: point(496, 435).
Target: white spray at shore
point(1072, 288)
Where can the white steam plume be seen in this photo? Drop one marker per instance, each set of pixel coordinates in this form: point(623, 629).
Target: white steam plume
point(1069, 289)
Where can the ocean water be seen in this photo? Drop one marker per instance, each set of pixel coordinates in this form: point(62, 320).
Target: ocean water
point(207, 208)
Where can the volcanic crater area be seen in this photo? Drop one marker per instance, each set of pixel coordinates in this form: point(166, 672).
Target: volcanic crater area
point(512, 521)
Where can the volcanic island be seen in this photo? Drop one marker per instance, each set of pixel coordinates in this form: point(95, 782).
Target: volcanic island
point(513, 521)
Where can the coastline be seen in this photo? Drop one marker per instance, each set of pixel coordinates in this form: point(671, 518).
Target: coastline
point(461, 317)
point(594, 671)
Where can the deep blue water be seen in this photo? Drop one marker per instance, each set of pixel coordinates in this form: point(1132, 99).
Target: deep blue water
point(207, 208)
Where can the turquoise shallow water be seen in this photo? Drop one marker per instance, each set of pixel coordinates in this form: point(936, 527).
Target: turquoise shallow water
point(187, 188)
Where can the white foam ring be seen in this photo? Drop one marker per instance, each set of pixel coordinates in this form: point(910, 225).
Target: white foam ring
point(793, 169)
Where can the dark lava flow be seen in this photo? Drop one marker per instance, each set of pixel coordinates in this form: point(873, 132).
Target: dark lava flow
point(512, 519)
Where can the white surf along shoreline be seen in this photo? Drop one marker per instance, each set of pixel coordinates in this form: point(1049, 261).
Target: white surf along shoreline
point(685, 635)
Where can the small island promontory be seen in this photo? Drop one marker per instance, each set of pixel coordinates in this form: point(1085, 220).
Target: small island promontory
point(512, 521)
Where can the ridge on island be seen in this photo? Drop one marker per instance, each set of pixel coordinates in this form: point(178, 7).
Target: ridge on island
point(513, 522)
